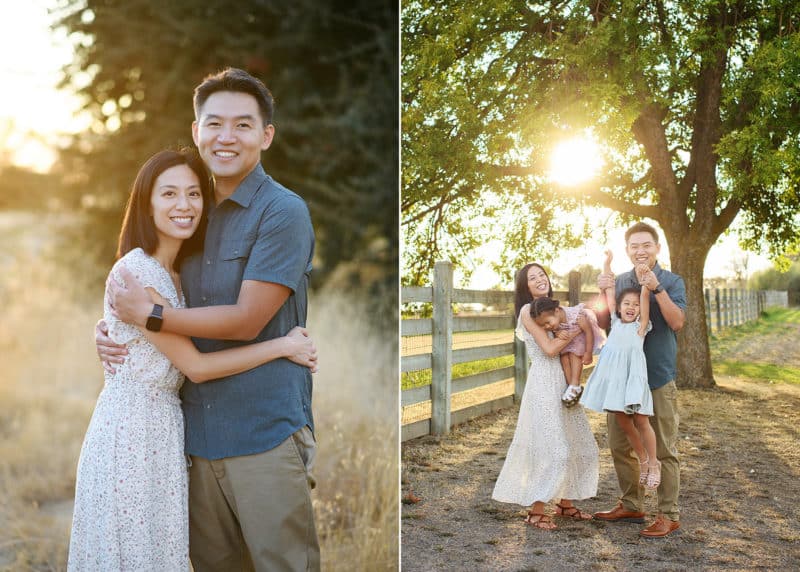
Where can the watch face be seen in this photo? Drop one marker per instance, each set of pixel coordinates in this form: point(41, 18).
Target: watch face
point(154, 320)
point(153, 323)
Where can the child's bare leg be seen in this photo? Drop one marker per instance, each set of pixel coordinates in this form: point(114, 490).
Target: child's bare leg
point(566, 365)
point(573, 390)
point(646, 434)
point(575, 369)
point(648, 437)
point(626, 423)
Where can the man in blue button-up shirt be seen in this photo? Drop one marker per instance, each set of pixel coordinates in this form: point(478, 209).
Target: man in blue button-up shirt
point(249, 436)
point(667, 306)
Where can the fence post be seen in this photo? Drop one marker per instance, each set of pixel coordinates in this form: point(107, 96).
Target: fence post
point(737, 306)
point(442, 347)
point(743, 305)
point(740, 305)
point(726, 294)
point(707, 295)
point(574, 294)
point(719, 310)
point(747, 304)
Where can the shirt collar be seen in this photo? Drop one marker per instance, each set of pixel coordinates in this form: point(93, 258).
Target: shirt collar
point(657, 269)
point(247, 188)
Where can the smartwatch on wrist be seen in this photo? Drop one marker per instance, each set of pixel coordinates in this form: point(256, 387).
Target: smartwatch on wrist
point(657, 290)
point(154, 320)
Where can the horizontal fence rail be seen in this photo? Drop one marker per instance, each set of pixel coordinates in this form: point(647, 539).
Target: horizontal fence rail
point(446, 402)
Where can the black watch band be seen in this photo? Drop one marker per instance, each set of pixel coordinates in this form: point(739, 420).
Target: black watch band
point(658, 289)
point(155, 319)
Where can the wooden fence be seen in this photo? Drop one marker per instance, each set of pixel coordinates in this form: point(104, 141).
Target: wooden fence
point(444, 402)
point(726, 307)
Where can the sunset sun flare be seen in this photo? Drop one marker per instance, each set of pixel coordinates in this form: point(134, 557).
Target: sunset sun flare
point(575, 161)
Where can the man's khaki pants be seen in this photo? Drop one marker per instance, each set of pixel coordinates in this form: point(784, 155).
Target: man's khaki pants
point(665, 425)
point(254, 512)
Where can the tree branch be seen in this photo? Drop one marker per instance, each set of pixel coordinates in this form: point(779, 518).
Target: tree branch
point(623, 206)
point(726, 216)
point(500, 171)
point(424, 212)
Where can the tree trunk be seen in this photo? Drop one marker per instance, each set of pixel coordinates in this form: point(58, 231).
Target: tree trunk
point(694, 356)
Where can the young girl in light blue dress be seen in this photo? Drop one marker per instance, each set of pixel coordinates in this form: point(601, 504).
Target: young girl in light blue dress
point(618, 383)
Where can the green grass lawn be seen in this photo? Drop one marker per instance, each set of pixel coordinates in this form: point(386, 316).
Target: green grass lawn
point(422, 377)
point(774, 323)
point(758, 371)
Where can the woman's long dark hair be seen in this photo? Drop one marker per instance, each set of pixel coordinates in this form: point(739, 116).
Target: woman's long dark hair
point(138, 229)
point(522, 294)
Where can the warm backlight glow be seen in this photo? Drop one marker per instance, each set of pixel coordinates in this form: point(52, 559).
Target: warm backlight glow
point(575, 161)
point(34, 113)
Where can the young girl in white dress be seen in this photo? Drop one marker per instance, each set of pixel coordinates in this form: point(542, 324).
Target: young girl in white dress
point(618, 383)
point(551, 316)
point(131, 508)
point(553, 455)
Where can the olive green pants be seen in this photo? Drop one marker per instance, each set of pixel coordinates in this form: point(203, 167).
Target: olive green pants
point(665, 426)
point(254, 512)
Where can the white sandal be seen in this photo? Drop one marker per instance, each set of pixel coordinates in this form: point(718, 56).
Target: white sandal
point(644, 471)
point(571, 395)
point(654, 475)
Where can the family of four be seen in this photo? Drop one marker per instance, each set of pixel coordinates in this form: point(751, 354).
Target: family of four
point(553, 455)
point(210, 283)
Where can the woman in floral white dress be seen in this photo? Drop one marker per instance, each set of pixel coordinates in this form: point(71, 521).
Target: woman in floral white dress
point(553, 456)
point(131, 508)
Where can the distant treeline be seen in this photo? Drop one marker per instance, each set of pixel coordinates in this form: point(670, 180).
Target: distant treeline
point(772, 279)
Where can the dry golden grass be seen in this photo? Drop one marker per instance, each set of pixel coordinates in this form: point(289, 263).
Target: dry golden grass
point(356, 417)
point(50, 379)
point(48, 383)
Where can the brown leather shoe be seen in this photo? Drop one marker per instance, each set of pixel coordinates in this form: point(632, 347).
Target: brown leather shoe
point(661, 527)
point(620, 513)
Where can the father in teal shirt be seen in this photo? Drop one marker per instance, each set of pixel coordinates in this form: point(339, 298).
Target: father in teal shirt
point(667, 307)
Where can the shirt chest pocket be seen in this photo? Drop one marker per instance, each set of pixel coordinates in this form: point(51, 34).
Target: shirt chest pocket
point(235, 250)
point(233, 256)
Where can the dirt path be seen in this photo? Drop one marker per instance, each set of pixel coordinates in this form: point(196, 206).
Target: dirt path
point(740, 472)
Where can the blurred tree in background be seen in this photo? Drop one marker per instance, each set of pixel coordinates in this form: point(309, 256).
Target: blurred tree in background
point(331, 66)
point(775, 279)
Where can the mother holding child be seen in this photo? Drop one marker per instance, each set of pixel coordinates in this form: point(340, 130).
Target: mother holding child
point(553, 454)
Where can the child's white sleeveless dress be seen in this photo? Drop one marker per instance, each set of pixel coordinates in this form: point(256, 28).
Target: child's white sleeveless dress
point(619, 380)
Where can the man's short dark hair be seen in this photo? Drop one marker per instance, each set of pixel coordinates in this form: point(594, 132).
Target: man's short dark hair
point(239, 81)
point(641, 227)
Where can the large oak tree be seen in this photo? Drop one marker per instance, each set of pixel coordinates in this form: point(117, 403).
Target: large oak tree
point(696, 103)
